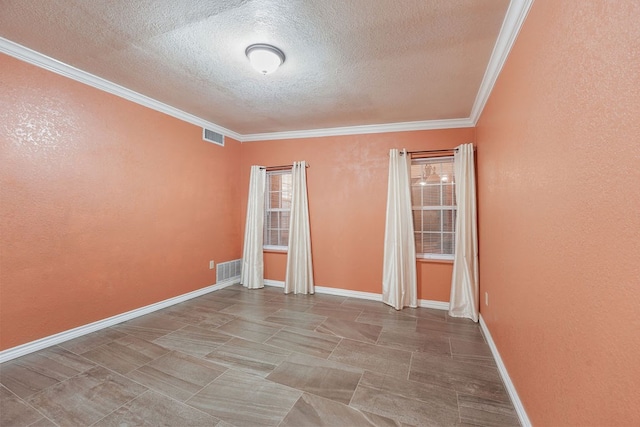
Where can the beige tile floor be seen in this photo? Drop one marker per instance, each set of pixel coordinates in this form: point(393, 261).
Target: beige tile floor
point(261, 358)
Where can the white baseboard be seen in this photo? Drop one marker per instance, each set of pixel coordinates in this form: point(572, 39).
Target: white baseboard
point(30, 347)
point(61, 337)
point(274, 283)
point(438, 305)
point(515, 399)
point(348, 293)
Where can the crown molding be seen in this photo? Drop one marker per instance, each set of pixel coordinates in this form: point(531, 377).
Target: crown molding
point(363, 129)
point(513, 20)
point(38, 59)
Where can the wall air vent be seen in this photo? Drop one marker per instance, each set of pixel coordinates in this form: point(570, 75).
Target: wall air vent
point(229, 271)
point(211, 136)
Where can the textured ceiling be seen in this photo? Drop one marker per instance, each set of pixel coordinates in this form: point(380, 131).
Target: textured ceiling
point(349, 62)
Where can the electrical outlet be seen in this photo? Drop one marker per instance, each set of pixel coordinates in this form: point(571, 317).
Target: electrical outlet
point(486, 298)
point(212, 265)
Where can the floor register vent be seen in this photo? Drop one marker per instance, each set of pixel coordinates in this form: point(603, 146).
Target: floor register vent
point(229, 270)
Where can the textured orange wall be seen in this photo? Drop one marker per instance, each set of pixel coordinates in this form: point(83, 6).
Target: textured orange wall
point(559, 206)
point(275, 265)
point(105, 206)
point(347, 187)
point(434, 279)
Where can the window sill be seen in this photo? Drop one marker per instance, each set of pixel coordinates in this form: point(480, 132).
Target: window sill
point(275, 250)
point(435, 260)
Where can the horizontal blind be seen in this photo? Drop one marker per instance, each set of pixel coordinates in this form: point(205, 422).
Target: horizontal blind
point(277, 209)
point(433, 202)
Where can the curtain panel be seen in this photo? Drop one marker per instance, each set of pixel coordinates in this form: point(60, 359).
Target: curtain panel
point(399, 283)
point(464, 299)
point(299, 275)
point(252, 275)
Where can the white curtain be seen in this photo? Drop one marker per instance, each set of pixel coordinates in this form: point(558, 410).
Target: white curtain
point(399, 287)
point(252, 275)
point(299, 277)
point(464, 283)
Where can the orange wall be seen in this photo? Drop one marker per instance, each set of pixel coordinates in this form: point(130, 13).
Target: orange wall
point(347, 187)
point(105, 206)
point(559, 207)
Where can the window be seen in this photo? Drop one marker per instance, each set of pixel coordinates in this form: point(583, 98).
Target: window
point(433, 200)
point(277, 210)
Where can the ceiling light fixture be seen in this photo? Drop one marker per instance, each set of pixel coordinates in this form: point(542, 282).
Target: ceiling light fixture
point(264, 57)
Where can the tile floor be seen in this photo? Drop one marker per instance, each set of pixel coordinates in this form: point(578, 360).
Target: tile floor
point(237, 357)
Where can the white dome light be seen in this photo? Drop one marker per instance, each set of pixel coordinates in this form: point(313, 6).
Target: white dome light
point(264, 58)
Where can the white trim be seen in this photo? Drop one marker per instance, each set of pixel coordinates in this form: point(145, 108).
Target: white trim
point(438, 305)
point(40, 60)
point(511, 389)
point(274, 283)
point(274, 248)
point(434, 257)
point(349, 293)
point(61, 337)
point(363, 129)
point(513, 20)
point(331, 291)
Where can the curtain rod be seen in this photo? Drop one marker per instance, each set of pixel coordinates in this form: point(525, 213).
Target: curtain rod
point(448, 150)
point(429, 151)
point(273, 168)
